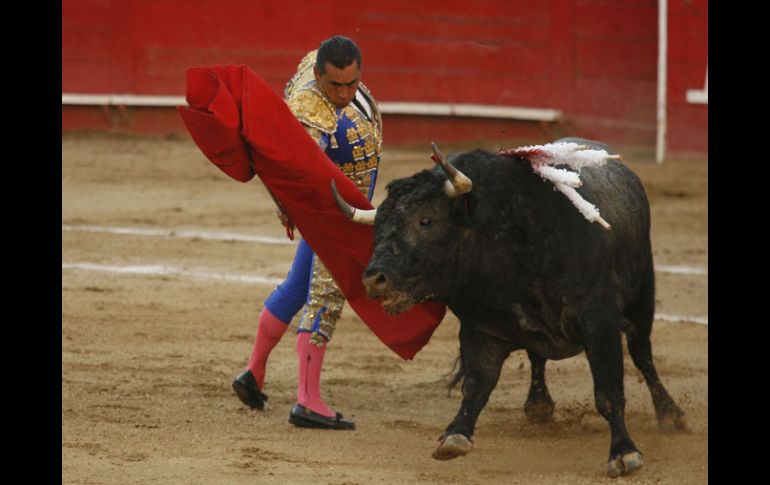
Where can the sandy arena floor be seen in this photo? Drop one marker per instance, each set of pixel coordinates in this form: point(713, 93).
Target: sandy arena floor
point(147, 359)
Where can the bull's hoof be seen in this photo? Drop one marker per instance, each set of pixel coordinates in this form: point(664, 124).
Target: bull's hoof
point(452, 446)
point(624, 465)
point(672, 422)
point(539, 412)
point(670, 416)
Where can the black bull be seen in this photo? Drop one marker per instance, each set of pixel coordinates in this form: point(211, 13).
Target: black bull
point(522, 269)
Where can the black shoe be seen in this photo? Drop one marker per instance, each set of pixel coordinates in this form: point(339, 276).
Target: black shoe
point(305, 418)
point(245, 386)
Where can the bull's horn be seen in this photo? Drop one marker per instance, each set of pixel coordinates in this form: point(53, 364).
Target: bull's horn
point(457, 184)
point(356, 215)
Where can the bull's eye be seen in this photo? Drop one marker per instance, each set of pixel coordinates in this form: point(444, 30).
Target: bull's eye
point(425, 221)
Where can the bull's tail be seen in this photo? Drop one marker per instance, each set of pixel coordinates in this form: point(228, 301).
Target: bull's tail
point(459, 373)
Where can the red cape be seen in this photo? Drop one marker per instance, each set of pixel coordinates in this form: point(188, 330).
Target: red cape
point(244, 128)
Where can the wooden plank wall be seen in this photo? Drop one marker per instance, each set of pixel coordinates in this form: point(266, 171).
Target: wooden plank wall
point(593, 59)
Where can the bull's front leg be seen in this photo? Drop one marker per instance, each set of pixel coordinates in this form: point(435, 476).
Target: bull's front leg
point(481, 358)
point(605, 357)
point(539, 405)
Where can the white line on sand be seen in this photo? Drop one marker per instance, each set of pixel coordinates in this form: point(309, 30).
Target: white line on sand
point(186, 234)
point(678, 318)
point(232, 236)
point(163, 270)
point(689, 270)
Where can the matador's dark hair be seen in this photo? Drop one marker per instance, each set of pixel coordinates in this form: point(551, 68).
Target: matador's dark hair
point(340, 51)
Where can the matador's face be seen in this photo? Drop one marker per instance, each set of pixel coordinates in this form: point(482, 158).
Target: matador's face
point(339, 85)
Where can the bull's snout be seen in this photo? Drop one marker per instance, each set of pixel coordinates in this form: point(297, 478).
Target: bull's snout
point(376, 283)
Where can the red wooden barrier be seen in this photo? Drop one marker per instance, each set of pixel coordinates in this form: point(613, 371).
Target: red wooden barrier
point(594, 60)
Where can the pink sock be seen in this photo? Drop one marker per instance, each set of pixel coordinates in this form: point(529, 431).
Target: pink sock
point(310, 358)
point(269, 332)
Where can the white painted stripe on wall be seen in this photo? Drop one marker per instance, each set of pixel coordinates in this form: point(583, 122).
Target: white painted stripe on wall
point(186, 234)
point(121, 99)
point(386, 107)
point(469, 109)
point(700, 96)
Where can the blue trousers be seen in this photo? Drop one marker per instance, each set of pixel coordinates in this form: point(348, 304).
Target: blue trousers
point(289, 297)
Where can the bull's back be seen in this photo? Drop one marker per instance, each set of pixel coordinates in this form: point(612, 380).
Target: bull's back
point(617, 192)
point(557, 264)
point(619, 195)
point(619, 258)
